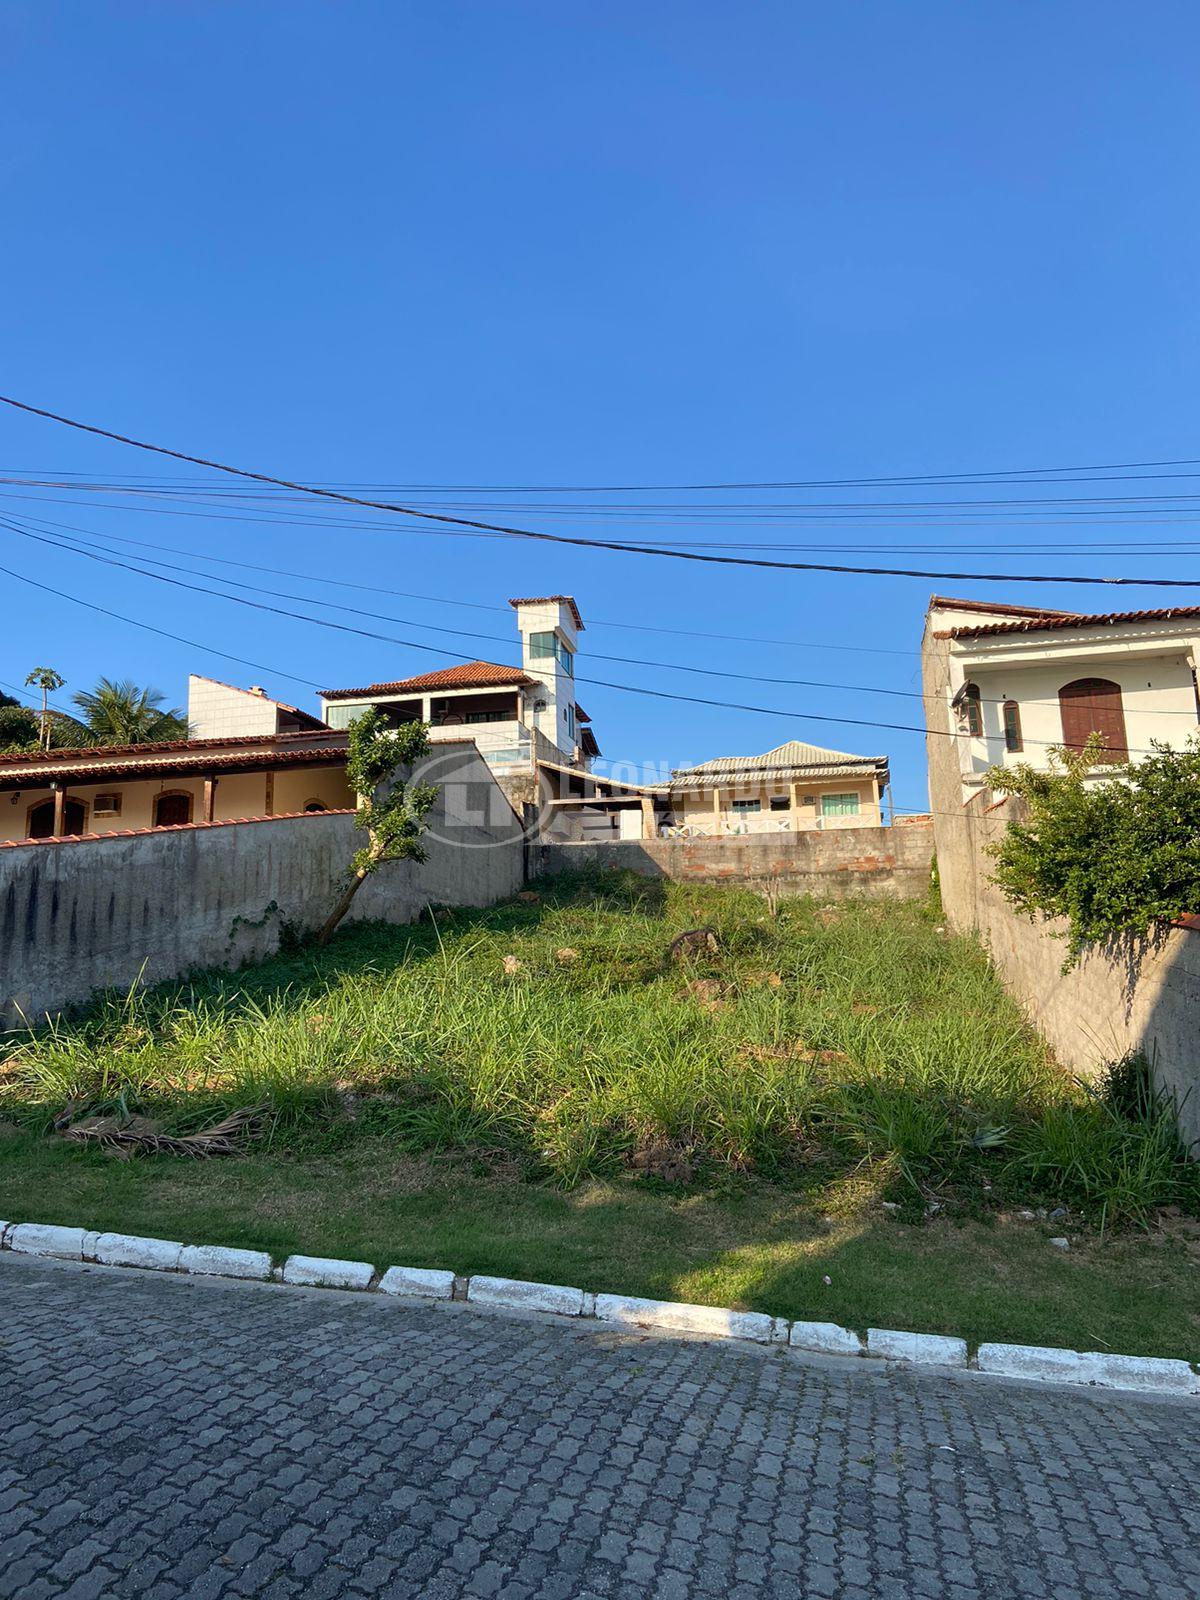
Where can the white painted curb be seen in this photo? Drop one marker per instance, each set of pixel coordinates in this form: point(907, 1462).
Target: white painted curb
point(426, 1282)
point(825, 1337)
point(43, 1239)
point(714, 1321)
point(216, 1261)
point(125, 1250)
point(1039, 1363)
point(319, 1272)
point(518, 1296)
point(924, 1349)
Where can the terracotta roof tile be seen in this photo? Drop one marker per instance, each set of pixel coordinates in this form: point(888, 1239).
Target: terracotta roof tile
point(470, 675)
point(151, 749)
point(1050, 621)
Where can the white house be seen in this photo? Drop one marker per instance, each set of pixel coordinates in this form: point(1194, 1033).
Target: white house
point(1004, 684)
point(518, 716)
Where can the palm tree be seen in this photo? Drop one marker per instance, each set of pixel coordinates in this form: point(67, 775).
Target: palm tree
point(121, 713)
point(47, 680)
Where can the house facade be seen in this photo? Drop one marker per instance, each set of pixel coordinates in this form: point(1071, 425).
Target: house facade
point(250, 756)
point(793, 788)
point(1005, 684)
point(518, 717)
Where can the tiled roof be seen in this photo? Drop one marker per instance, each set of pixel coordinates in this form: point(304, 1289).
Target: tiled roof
point(195, 761)
point(151, 750)
point(793, 757)
point(947, 603)
point(550, 599)
point(580, 714)
point(470, 675)
point(587, 743)
point(1053, 622)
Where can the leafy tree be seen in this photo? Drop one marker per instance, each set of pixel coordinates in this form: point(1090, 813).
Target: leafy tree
point(121, 713)
point(391, 808)
point(1120, 856)
point(19, 726)
point(47, 680)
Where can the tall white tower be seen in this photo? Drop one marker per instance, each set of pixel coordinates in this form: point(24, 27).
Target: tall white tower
point(550, 626)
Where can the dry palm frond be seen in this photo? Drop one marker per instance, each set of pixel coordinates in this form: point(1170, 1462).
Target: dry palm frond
point(132, 1136)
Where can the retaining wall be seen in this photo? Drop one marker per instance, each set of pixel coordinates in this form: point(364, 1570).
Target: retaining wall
point(1128, 995)
point(82, 914)
point(879, 863)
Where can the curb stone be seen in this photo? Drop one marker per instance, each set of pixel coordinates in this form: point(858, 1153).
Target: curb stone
point(923, 1349)
point(426, 1282)
point(519, 1296)
point(1039, 1363)
point(718, 1323)
point(321, 1272)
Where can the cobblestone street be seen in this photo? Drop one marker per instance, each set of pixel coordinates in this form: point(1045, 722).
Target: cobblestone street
point(167, 1437)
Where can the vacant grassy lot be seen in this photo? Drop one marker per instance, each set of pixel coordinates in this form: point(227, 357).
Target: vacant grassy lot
point(540, 1089)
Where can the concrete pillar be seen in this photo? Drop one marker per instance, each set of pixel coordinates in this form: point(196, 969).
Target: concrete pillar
point(426, 703)
point(794, 794)
point(716, 811)
point(648, 828)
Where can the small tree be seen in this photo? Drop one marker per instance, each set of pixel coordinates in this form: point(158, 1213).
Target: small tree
point(391, 808)
point(1117, 857)
point(47, 680)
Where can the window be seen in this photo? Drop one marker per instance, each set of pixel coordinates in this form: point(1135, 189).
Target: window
point(548, 646)
point(487, 716)
point(172, 809)
point(839, 805)
point(971, 710)
point(40, 822)
point(569, 716)
point(781, 802)
point(1012, 726)
point(1093, 705)
point(106, 805)
point(315, 805)
point(742, 808)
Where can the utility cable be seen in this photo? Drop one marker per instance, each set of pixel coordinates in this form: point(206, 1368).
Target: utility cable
point(594, 544)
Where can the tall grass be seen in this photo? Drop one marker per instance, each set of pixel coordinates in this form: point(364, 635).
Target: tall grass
point(817, 1039)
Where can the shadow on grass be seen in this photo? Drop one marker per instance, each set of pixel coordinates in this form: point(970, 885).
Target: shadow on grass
point(761, 1248)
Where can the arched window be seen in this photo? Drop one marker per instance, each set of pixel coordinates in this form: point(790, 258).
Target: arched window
point(315, 805)
point(40, 821)
point(1093, 705)
point(971, 710)
point(172, 808)
point(1012, 726)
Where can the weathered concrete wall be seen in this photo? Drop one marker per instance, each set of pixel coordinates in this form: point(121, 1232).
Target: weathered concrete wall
point(843, 863)
point(91, 913)
point(1130, 996)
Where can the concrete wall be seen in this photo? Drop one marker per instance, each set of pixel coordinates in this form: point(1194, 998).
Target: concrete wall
point(78, 915)
point(1130, 995)
point(878, 863)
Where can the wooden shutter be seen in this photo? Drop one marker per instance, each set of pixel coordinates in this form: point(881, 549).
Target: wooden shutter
point(1093, 705)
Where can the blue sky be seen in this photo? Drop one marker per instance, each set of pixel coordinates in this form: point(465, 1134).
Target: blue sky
point(564, 244)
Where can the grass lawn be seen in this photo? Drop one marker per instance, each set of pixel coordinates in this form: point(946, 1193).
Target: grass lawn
point(761, 1248)
point(540, 1090)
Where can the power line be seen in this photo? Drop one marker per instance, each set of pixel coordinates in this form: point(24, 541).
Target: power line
point(595, 544)
point(341, 627)
point(632, 661)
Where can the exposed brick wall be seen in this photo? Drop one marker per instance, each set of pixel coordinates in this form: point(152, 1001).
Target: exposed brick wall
point(875, 862)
